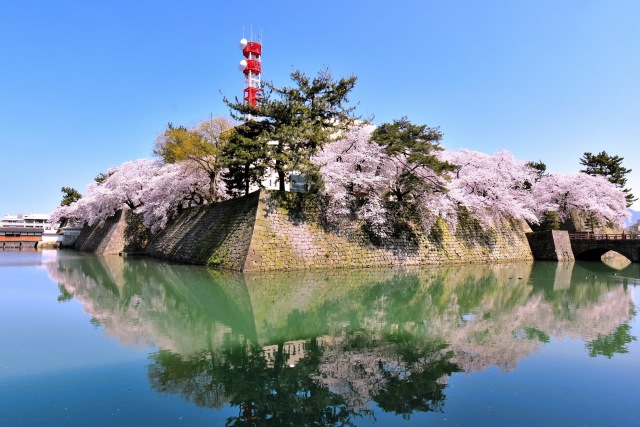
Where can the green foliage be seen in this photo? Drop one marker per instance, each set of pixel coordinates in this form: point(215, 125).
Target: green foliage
point(289, 125)
point(69, 195)
point(102, 177)
point(535, 334)
point(436, 234)
point(551, 221)
point(204, 145)
point(65, 295)
point(609, 167)
point(301, 207)
point(218, 257)
point(245, 155)
point(614, 343)
point(592, 222)
point(540, 169)
point(415, 148)
point(265, 394)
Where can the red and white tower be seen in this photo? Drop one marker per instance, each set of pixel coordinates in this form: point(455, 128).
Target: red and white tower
point(251, 66)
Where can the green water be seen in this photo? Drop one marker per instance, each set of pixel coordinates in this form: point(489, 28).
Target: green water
point(89, 340)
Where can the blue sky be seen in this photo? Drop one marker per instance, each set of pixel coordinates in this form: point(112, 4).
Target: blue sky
point(87, 85)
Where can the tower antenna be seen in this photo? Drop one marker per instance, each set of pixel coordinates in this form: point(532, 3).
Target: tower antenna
point(251, 67)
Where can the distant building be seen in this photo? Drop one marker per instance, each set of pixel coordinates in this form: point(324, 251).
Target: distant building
point(27, 230)
point(20, 237)
point(27, 221)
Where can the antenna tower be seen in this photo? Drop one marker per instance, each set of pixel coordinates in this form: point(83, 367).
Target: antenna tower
point(251, 67)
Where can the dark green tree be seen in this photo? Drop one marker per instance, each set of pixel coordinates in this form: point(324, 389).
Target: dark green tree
point(415, 149)
point(609, 167)
point(614, 343)
point(245, 155)
point(65, 295)
point(69, 195)
point(551, 221)
point(102, 177)
point(540, 167)
point(417, 388)
point(293, 123)
point(264, 393)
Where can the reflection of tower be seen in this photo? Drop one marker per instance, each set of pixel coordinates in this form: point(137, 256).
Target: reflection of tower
point(251, 67)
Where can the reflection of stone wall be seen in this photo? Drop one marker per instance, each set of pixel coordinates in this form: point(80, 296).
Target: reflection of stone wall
point(147, 303)
point(360, 324)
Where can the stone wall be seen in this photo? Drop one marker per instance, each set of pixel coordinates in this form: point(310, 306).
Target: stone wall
point(551, 245)
point(217, 234)
point(268, 231)
point(284, 239)
point(122, 232)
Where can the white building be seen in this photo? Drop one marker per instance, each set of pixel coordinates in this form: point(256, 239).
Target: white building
point(27, 221)
point(294, 182)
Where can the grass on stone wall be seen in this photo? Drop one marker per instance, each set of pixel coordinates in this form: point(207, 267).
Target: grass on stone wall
point(472, 231)
point(218, 257)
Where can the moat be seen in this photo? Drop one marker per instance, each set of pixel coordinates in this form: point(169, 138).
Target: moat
point(105, 340)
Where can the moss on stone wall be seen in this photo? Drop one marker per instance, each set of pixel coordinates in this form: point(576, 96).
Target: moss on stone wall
point(287, 236)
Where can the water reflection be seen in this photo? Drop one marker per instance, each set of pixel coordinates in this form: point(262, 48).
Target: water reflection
point(323, 347)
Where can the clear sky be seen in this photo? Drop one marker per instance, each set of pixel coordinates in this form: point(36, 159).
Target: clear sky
point(87, 85)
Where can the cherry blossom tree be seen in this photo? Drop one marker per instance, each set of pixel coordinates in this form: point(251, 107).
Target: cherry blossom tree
point(202, 145)
point(98, 204)
point(176, 186)
point(157, 191)
point(492, 187)
point(350, 169)
point(592, 195)
point(122, 186)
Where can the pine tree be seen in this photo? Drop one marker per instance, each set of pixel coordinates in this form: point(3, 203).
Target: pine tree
point(245, 158)
point(609, 167)
point(290, 124)
point(415, 149)
point(551, 221)
point(69, 195)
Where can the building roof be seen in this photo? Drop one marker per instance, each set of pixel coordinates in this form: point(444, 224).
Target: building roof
point(22, 230)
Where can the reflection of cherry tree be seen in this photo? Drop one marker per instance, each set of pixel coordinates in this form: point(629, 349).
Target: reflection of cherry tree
point(392, 337)
point(264, 393)
point(613, 343)
point(399, 371)
point(155, 304)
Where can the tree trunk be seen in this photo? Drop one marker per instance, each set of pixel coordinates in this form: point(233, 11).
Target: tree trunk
point(247, 179)
point(281, 178)
point(212, 187)
point(281, 175)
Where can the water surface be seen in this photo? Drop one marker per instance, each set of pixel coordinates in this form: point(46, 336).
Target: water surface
point(130, 341)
